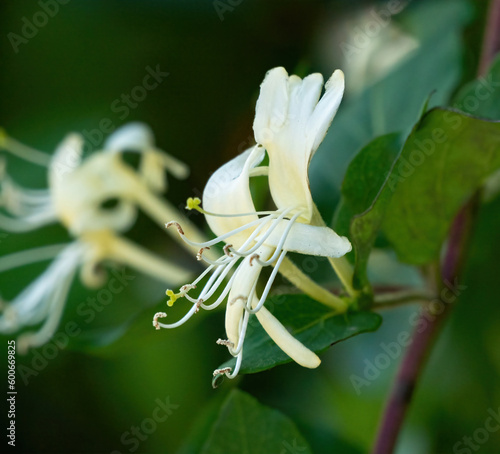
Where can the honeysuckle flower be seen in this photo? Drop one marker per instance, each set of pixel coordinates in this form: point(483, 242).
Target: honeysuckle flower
point(290, 123)
point(95, 199)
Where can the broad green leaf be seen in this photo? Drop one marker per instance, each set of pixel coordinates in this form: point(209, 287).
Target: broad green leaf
point(358, 216)
point(363, 181)
point(310, 322)
point(481, 97)
point(446, 158)
point(392, 103)
point(244, 426)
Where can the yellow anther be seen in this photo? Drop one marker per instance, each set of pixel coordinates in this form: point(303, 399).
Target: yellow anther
point(193, 204)
point(172, 297)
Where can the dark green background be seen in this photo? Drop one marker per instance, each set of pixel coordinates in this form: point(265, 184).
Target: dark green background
point(67, 77)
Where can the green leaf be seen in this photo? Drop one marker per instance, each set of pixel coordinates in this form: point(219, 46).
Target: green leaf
point(244, 426)
point(363, 181)
point(312, 323)
point(446, 158)
point(481, 97)
point(392, 103)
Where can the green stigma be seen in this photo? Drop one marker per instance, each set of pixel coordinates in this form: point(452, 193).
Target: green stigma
point(172, 297)
point(194, 204)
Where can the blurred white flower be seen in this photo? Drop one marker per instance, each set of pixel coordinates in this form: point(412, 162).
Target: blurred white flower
point(96, 199)
point(290, 122)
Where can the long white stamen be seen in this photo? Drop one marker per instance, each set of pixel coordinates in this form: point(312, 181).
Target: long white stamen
point(258, 213)
point(27, 223)
point(243, 253)
point(236, 370)
point(218, 262)
point(208, 285)
point(58, 298)
point(219, 266)
point(17, 259)
point(281, 243)
point(215, 240)
point(270, 281)
point(207, 294)
point(227, 248)
point(274, 218)
point(23, 151)
point(21, 201)
point(183, 320)
point(222, 296)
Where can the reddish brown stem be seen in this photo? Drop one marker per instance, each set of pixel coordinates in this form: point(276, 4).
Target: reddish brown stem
point(414, 360)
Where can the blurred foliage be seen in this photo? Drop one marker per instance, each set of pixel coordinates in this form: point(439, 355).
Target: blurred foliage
point(71, 74)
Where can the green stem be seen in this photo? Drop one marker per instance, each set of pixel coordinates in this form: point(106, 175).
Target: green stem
point(345, 273)
point(399, 297)
point(303, 282)
point(340, 265)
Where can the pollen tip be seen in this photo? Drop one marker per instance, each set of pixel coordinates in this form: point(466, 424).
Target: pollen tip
point(158, 315)
point(198, 304)
point(187, 287)
point(225, 370)
point(177, 225)
point(252, 258)
point(225, 342)
point(227, 251)
point(200, 253)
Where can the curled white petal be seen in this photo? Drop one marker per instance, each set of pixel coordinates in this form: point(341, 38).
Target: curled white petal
point(139, 137)
point(310, 240)
point(132, 136)
point(290, 123)
point(284, 340)
point(228, 192)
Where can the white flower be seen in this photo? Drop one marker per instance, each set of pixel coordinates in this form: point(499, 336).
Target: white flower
point(95, 199)
point(290, 123)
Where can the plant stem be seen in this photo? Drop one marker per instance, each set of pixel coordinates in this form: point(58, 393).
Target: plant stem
point(303, 282)
point(403, 296)
point(413, 362)
point(491, 38)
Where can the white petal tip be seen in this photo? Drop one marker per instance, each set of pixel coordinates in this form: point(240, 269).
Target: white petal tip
point(131, 135)
point(313, 363)
point(336, 80)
